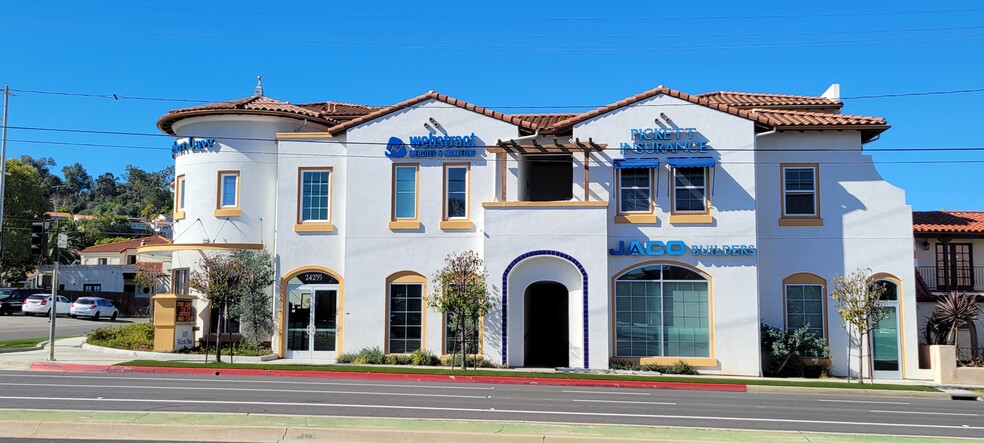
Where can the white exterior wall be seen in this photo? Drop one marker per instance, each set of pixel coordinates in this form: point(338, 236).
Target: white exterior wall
point(866, 224)
point(74, 277)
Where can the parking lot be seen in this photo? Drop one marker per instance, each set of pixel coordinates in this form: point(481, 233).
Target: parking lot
point(18, 326)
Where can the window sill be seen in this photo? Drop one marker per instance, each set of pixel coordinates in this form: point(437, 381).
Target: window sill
point(811, 221)
point(556, 204)
point(640, 219)
point(457, 225)
point(691, 219)
point(404, 225)
point(179, 215)
point(700, 362)
point(314, 227)
point(228, 212)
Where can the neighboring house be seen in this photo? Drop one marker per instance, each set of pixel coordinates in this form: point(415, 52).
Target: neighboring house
point(111, 267)
point(949, 249)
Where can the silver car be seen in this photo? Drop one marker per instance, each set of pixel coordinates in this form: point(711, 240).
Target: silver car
point(41, 304)
point(94, 308)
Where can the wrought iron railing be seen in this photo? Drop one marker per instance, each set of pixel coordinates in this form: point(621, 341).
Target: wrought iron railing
point(943, 280)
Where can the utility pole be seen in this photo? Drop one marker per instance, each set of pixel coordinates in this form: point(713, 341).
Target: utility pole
point(3, 160)
point(54, 299)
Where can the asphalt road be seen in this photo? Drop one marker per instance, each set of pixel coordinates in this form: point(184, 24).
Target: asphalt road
point(17, 326)
point(364, 398)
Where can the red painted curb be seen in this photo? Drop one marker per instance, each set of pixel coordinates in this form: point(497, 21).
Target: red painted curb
point(491, 379)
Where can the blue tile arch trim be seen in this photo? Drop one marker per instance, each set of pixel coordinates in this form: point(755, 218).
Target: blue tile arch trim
point(505, 297)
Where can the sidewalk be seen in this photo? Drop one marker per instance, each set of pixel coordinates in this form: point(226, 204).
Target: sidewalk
point(71, 355)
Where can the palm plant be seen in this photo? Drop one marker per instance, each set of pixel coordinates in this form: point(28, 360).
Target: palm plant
point(953, 311)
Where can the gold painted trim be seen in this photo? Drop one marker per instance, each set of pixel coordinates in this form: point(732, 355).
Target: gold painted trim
point(302, 135)
point(228, 212)
point(812, 221)
point(179, 215)
point(410, 277)
point(179, 187)
point(199, 246)
point(314, 227)
point(700, 362)
point(404, 225)
point(640, 219)
point(468, 194)
point(691, 219)
point(331, 200)
point(710, 309)
point(707, 196)
point(339, 306)
point(782, 195)
point(807, 279)
point(901, 311)
point(559, 204)
point(457, 225)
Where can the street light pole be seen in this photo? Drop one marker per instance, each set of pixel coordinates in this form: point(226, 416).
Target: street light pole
point(3, 160)
point(54, 300)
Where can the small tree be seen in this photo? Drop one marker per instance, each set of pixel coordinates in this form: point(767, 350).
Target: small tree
point(460, 290)
point(253, 309)
point(219, 279)
point(857, 299)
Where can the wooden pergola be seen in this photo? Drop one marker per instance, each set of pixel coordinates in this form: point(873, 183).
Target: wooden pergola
point(504, 148)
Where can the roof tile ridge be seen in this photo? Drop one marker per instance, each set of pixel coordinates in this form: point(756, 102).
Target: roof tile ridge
point(769, 94)
point(813, 113)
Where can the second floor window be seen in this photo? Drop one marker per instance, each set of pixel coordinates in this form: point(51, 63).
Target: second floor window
point(180, 201)
point(455, 192)
point(228, 189)
point(954, 266)
point(635, 190)
point(404, 192)
point(315, 195)
point(180, 281)
point(689, 189)
point(799, 191)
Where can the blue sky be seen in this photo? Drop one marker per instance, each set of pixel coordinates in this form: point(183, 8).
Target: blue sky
point(506, 55)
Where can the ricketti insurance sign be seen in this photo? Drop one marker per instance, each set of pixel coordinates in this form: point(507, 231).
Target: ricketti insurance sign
point(454, 146)
point(664, 141)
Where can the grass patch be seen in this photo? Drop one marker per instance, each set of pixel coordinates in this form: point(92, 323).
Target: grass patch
point(22, 343)
point(500, 373)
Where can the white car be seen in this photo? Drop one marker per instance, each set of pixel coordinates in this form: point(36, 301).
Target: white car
point(41, 304)
point(94, 308)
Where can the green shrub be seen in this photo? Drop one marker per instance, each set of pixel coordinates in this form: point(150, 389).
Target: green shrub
point(620, 365)
point(347, 357)
point(679, 368)
point(783, 351)
point(473, 361)
point(134, 337)
point(399, 359)
point(424, 358)
point(370, 356)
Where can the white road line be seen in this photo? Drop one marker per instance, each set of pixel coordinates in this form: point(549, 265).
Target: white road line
point(226, 380)
point(927, 413)
point(868, 402)
point(627, 402)
point(206, 388)
point(500, 411)
point(606, 392)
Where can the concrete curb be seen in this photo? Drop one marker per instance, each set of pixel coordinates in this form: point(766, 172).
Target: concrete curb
point(68, 367)
point(759, 389)
point(167, 356)
point(39, 347)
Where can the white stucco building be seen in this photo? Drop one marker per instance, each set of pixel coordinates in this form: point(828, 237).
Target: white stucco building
point(662, 227)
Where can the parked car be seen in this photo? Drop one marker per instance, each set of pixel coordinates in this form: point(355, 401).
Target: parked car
point(94, 308)
point(11, 299)
point(40, 304)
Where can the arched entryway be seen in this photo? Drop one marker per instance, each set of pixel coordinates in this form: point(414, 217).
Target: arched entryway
point(545, 325)
point(542, 277)
point(310, 300)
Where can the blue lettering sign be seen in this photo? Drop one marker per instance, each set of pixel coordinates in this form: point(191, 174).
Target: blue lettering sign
point(191, 144)
point(677, 140)
point(433, 146)
point(657, 248)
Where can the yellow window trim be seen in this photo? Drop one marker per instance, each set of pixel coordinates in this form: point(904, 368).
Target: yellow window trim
point(457, 225)
point(700, 362)
point(179, 215)
point(801, 221)
point(314, 227)
point(179, 186)
point(404, 225)
point(806, 279)
point(228, 212)
point(640, 218)
point(691, 219)
point(281, 329)
point(684, 215)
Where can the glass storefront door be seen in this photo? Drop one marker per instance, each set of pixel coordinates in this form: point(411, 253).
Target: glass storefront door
point(311, 322)
point(885, 338)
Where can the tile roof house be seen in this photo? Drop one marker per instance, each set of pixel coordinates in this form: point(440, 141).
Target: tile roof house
point(119, 253)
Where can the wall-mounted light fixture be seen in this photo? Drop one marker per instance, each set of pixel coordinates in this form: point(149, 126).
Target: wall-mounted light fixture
point(664, 117)
point(925, 244)
point(429, 128)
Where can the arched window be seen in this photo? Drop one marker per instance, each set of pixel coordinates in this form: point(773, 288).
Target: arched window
point(405, 312)
point(805, 302)
point(662, 310)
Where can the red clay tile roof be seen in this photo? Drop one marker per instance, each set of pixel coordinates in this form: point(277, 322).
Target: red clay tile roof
point(788, 119)
point(150, 266)
point(747, 100)
point(430, 96)
point(968, 222)
point(132, 243)
point(338, 110)
point(253, 105)
point(543, 120)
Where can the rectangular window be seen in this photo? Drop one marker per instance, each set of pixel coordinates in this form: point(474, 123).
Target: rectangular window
point(92, 287)
point(103, 261)
point(315, 195)
point(804, 306)
point(405, 192)
point(228, 189)
point(954, 266)
point(799, 191)
point(179, 200)
point(131, 259)
point(455, 192)
point(179, 281)
point(635, 190)
point(460, 329)
point(405, 317)
point(689, 190)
